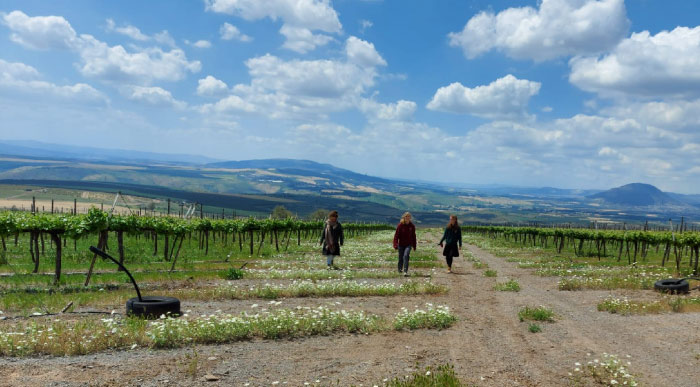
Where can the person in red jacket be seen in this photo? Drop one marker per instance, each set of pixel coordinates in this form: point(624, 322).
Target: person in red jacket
point(404, 239)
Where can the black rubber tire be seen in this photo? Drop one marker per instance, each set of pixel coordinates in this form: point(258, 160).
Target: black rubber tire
point(153, 306)
point(672, 285)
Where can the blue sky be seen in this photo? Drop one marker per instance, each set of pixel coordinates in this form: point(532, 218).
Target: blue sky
point(563, 93)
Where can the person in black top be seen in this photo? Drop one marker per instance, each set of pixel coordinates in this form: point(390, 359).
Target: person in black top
point(451, 237)
point(332, 238)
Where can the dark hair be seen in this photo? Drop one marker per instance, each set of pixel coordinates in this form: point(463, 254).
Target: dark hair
point(333, 214)
point(450, 225)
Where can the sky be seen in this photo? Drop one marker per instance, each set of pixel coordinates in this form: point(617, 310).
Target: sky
point(562, 93)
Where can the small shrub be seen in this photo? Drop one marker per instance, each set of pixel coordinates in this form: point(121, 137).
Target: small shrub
point(490, 273)
point(540, 313)
point(610, 371)
point(442, 376)
point(438, 317)
point(480, 265)
point(233, 274)
point(534, 328)
point(509, 286)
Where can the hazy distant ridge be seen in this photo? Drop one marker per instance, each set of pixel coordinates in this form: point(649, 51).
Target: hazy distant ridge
point(637, 194)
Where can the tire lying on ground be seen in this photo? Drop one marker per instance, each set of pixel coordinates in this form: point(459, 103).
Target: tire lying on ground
point(672, 285)
point(153, 306)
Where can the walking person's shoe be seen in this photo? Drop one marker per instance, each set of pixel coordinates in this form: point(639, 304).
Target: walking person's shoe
point(449, 270)
point(405, 274)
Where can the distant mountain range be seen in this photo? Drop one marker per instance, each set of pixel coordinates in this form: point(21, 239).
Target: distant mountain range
point(638, 194)
point(256, 186)
point(46, 150)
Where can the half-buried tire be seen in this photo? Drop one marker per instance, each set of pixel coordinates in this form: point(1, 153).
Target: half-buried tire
point(153, 306)
point(672, 285)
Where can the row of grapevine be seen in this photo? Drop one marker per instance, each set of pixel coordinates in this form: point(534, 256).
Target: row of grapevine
point(99, 223)
point(681, 244)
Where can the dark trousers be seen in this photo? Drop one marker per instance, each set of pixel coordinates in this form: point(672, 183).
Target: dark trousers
point(448, 258)
point(404, 255)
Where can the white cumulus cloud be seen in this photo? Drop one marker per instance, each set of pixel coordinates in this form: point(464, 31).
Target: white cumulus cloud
point(306, 89)
point(402, 110)
point(19, 78)
point(299, 18)
point(663, 65)
point(363, 53)
point(127, 30)
point(302, 40)
point(155, 96)
point(199, 43)
point(41, 32)
point(211, 86)
point(504, 98)
point(558, 28)
point(99, 60)
point(231, 32)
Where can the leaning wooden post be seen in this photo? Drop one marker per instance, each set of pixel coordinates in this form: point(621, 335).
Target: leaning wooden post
point(177, 253)
point(100, 245)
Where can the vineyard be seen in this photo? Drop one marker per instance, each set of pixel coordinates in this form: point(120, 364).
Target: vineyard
point(170, 231)
point(524, 306)
point(635, 246)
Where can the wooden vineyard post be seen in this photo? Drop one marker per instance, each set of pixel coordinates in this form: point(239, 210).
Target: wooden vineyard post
point(35, 258)
point(36, 251)
point(100, 245)
point(262, 240)
point(75, 206)
point(120, 247)
point(165, 246)
point(57, 240)
point(251, 241)
point(177, 253)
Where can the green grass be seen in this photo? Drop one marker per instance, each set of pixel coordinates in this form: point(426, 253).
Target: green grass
point(534, 328)
point(441, 376)
point(432, 317)
point(508, 286)
point(610, 370)
point(584, 271)
point(490, 273)
point(539, 313)
point(59, 338)
point(41, 302)
point(624, 306)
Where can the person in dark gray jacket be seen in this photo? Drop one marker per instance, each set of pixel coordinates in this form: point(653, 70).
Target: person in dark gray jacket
point(451, 237)
point(332, 238)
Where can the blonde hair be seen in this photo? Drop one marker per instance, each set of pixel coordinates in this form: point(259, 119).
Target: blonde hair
point(403, 217)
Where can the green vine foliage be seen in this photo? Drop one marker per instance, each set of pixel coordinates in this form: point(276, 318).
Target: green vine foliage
point(95, 221)
point(689, 239)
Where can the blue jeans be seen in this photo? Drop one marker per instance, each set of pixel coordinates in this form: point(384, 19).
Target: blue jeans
point(404, 255)
point(329, 259)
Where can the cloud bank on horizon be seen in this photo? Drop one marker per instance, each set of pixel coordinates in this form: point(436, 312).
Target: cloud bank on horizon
point(565, 93)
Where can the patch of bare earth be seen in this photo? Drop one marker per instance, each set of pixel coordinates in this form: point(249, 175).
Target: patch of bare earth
point(488, 346)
